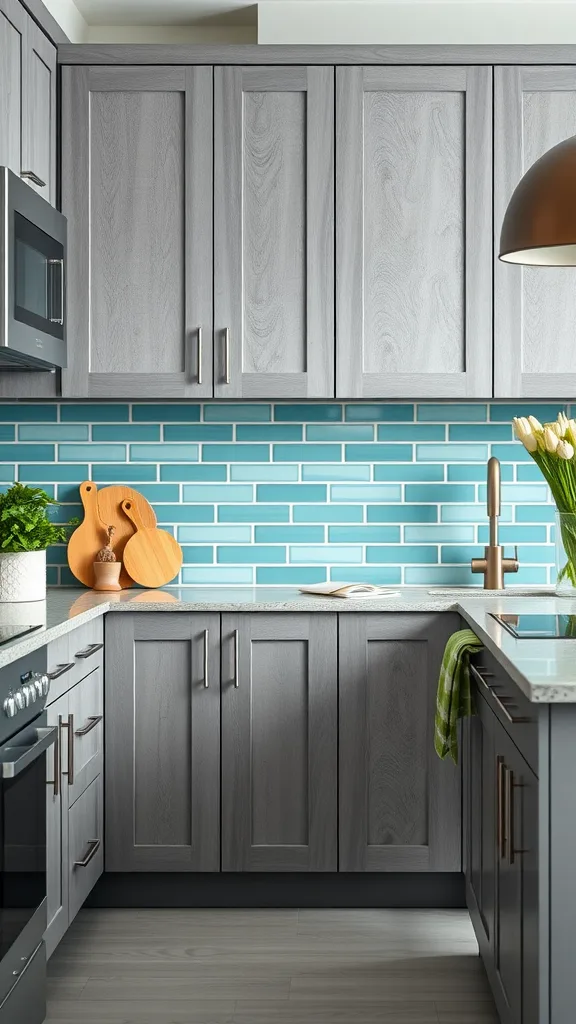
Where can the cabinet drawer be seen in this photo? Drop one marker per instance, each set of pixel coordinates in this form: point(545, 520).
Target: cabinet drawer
point(514, 711)
point(85, 845)
point(73, 656)
point(85, 732)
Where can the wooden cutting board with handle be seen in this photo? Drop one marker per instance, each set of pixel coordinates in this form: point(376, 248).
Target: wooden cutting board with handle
point(88, 538)
point(152, 557)
point(110, 511)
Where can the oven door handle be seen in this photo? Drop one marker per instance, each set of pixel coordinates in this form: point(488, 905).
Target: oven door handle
point(10, 769)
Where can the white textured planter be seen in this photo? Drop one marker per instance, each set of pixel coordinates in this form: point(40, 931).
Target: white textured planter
point(22, 576)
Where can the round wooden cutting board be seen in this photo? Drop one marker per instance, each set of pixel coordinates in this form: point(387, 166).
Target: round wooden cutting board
point(88, 538)
point(110, 511)
point(152, 557)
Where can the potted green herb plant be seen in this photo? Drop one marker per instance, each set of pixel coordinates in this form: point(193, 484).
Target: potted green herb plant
point(25, 532)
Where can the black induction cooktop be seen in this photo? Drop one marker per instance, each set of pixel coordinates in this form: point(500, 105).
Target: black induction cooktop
point(539, 627)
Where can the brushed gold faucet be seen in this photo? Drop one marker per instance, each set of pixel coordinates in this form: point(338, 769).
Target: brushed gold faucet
point(494, 565)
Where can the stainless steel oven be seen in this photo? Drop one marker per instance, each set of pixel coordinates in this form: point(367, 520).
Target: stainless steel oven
point(33, 238)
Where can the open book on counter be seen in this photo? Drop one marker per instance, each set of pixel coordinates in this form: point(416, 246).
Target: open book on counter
point(349, 590)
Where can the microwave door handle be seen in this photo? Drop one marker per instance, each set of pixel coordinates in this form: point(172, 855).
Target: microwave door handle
point(58, 263)
point(10, 769)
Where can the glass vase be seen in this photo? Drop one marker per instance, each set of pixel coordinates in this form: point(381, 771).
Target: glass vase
point(566, 554)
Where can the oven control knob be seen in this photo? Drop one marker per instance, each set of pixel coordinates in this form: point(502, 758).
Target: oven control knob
point(9, 706)
point(20, 702)
point(42, 684)
point(30, 695)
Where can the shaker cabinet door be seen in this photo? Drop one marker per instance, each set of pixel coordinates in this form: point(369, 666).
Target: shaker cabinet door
point(274, 232)
point(162, 742)
point(279, 742)
point(399, 804)
point(57, 878)
point(13, 27)
point(39, 114)
point(414, 232)
point(137, 190)
point(479, 779)
point(534, 307)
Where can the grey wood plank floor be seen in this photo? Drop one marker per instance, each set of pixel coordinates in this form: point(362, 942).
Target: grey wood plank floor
point(269, 967)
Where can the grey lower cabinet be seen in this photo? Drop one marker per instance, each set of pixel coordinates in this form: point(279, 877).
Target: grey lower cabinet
point(163, 742)
point(400, 805)
point(279, 742)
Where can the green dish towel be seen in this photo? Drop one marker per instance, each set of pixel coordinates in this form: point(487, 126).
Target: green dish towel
point(454, 697)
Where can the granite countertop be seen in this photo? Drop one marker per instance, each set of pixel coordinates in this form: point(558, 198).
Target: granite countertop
point(545, 670)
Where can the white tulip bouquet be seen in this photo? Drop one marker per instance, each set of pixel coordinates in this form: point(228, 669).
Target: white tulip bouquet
point(553, 448)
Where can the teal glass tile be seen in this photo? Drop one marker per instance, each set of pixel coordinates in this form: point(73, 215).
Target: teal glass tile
point(329, 555)
point(328, 513)
point(8, 433)
point(452, 534)
point(164, 452)
point(253, 514)
point(264, 472)
point(291, 492)
point(440, 492)
point(219, 574)
point(164, 412)
point(92, 452)
point(404, 554)
point(254, 554)
point(184, 513)
point(433, 412)
point(336, 471)
point(409, 471)
point(197, 555)
point(365, 492)
point(513, 452)
point(506, 411)
point(542, 554)
point(307, 452)
point(293, 575)
point(364, 534)
point(214, 534)
point(378, 452)
point(57, 555)
point(198, 432)
point(460, 555)
point(529, 576)
point(269, 432)
point(52, 576)
point(27, 452)
point(516, 534)
point(49, 488)
point(471, 513)
point(535, 513)
point(340, 432)
point(235, 453)
point(22, 413)
point(519, 492)
point(94, 412)
point(380, 575)
point(477, 473)
point(123, 474)
point(322, 413)
point(451, 452)
point(162, 492)
point(66, 578)
point(217, 492)
point(7, 474)
point(52, 432)
point(64, 513)
point(440, 576)
point(285, 534)
point(411, 432)
point(126, 432)
point(402, 513)
point(480, 432)
point(528, 473)
point(55, 473)
point(182, 472)
point(244, 412)
point(67, 492)
point(369, 413)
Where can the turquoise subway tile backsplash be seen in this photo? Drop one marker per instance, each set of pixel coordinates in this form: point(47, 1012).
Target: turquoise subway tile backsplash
point(291, 493)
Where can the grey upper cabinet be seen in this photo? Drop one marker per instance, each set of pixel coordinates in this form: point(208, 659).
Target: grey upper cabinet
point(13, 24)
point(399, 804)
point(534, 308)
point(162, 742)
point(279, 742)
point(414, 232)
point(274, 232)
point(137, 189)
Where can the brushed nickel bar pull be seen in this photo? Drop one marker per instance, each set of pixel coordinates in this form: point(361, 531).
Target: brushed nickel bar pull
point(510, 814)
point(227, 355)
point(510, 718)
point(33, 177)
point(58, 758)
point(92, 722)
point(70, 726)
point(199, 375)
point(236, 659)
point(60, 670)
point(93, 847)
point(59, 319)
point(206, 681)
point(500, 832)
point(87, 652)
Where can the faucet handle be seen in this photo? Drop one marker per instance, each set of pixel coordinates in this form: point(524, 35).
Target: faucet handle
point(511, 564)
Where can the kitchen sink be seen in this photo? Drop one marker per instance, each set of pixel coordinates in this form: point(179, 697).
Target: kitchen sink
point(508, 592)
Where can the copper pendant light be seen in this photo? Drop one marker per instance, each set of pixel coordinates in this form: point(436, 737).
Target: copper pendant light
point(539, 227)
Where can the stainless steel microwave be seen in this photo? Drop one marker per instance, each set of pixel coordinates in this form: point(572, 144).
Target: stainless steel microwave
point(32, 278)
